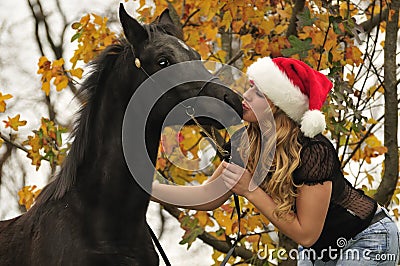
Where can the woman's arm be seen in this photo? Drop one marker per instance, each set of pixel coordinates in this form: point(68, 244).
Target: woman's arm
point(312, 204)
point(208, 196)
point(306, 225)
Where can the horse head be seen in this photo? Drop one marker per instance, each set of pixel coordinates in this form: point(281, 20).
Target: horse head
point(159, 46)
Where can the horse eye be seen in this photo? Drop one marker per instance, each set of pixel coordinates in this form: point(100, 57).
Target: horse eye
point(163, 62)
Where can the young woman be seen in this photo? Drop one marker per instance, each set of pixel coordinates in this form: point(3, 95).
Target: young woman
point(304, 193)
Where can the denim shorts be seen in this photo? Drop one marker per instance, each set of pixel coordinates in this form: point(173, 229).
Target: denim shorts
point(378, 244)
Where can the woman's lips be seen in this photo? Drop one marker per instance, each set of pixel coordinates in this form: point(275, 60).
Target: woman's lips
point(245, 107)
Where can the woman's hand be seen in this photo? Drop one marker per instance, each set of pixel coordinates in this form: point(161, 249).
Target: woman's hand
point(237, 179)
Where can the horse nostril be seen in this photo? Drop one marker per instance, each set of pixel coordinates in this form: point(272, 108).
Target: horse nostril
point(226, 98)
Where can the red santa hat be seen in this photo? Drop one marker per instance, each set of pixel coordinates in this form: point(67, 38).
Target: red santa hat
point(295, 88)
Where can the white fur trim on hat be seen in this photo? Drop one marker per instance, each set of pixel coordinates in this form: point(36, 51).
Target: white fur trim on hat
point(312, 123)
point(279, 88)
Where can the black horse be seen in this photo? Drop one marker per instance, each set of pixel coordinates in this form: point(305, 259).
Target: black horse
point(93, 212)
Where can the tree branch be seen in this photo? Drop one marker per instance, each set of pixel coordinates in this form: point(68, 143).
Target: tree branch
point(219, 245)
point(57, 49)
point(365, 136)
point(189, 17)
point(235, 57)
point(12, 143)
point(374, 21)
point(391, 171)
point(37, 22)
point(6, 155)
point(298, 7)
point(65, 22)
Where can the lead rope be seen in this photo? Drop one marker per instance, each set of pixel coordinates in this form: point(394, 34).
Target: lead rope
point(158, 245)
point(226, 157)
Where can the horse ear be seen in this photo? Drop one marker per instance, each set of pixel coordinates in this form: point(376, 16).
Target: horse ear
point(170, 20)
point(165, 18)
point(134, 32)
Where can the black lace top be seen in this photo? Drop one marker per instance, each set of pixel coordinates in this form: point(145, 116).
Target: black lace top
point(350, 210)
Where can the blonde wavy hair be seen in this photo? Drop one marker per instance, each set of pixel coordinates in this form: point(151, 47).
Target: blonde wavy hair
point(278, 181)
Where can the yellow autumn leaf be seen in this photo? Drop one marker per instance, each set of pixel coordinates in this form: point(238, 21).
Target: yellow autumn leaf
point(267, 25)
point(61, 82)
point(42, 60)
point(370, 178)
point(200, 177)
point(14, 122)
point(92, 38)
point(372, 121)
point(190, 137)
point(211, 33)
point(204, 218)
point(353, 56)
point(35, 157)
point(34, 142)
point(331, 41)
point(253, 238)
point(373, 141)
point(396, 213)
point(285, 13)
point(97, 19)
point(46, 87)
point(246, 39)
point(350, 77)
point(237, 25)
point(58, 63)
point(224, 221)
point(27, 196)
point(221, 55)
point(226, 20)
point(76, 72)
point(216, 255)
point(373, 89)
point(2, 101)
point(280, 29)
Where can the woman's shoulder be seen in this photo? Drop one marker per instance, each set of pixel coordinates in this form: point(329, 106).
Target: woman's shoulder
point(318, 158)
point(318, 142)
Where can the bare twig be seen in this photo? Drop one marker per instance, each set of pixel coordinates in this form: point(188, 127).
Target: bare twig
point(189, 17)
point(12, 143)
point(37, 22)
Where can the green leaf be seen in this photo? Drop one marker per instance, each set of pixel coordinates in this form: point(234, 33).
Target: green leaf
point(76, 25)
point(59, 139)
point(304, 18)
point(190, 236)
point(192, 230)
point(76, 36)
point(335, 21)
point(298, 47)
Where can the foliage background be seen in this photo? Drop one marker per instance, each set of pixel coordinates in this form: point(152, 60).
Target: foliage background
point(337, 37)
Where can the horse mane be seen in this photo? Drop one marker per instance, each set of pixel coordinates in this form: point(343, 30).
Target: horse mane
point(66, 177)
point(99, 68)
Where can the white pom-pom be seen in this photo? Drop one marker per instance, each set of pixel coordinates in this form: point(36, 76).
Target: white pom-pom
point(312, 123)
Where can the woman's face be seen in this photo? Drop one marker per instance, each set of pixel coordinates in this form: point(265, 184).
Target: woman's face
point(255, 104)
